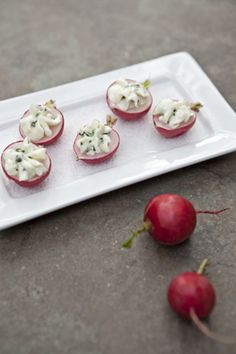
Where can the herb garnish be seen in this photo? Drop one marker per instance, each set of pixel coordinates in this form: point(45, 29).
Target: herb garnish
point(146, 84)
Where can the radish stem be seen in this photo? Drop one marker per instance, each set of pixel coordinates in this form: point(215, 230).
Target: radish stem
point(110, 120)
point(207, 332)
point(196, 106)
point(145, 227)
point(214, 212)
point(202, 267)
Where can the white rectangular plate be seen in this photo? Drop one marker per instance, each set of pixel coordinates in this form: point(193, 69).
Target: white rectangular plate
point(142, 153)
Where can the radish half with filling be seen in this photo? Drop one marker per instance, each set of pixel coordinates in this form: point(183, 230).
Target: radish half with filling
point(128, 99)
point(42, 124)
point(96, 142)
point(25, 163)
point(172, 118)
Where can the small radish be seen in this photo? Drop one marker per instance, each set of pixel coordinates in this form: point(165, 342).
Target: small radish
point(129, 99)
point(192, 296)
point(25, 163)
point(42, 124)
point(172, 118)
point(170, 219)
point(96, 142)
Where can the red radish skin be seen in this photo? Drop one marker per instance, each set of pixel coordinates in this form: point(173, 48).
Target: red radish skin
point(133, 114)
point(57, 131)
point(173, 218)
point(169, 132)
point(98, 158)
point(170, 219)
point(192, 296)
point(191, 290)
point(32, 182)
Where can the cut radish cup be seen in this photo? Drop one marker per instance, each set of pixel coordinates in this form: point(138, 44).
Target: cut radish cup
point(170, 132)
point(32, 181)
point(47, 138)
point(134, 112)
point(101, 156)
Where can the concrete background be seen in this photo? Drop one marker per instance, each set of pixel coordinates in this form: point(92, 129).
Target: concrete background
point(65, 284)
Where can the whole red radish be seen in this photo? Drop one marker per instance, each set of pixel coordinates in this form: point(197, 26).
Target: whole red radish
point(192, 296)
point(169, 218)
point(135, 112)
point(192, 291)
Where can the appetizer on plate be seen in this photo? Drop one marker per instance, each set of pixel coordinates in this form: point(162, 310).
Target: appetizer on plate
point(129, 99)
point(174, 117)
point(97, 142)
point(42, 124)
point(25, 163)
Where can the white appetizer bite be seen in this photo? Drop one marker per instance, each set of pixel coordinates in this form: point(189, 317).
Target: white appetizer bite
point(42, 124)
point(129, 99)
point(96, 142)
point(172, 118)
point(25, 163)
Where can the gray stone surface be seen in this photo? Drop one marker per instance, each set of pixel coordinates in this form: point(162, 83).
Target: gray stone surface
point(66, 286)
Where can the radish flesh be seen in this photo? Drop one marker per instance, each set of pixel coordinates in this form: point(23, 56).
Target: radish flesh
point(170, 219)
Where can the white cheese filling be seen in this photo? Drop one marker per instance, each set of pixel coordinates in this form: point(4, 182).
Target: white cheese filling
point(94, 138)
point(127, 95)
point(39, 120)
point(25, 161)
point(173, 113)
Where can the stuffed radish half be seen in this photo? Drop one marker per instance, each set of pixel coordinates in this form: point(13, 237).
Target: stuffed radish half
point(128, 99)
point(42, 124)
point(25, 163)
point(172, 118)
point(97, 142)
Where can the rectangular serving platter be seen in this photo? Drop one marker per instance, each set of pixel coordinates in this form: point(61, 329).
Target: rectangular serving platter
point(142, 153)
